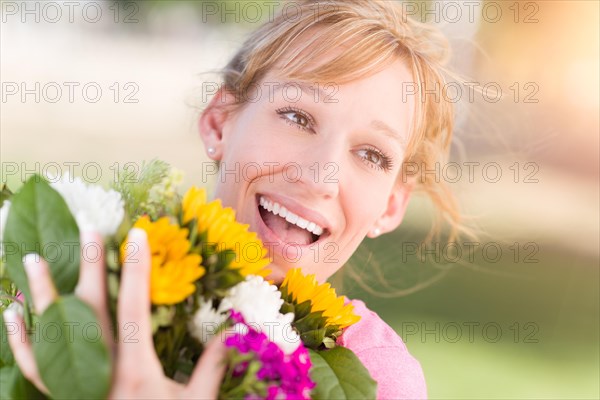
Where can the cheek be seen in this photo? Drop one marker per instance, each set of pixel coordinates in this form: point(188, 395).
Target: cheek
point(366, 201)
point(255, 148)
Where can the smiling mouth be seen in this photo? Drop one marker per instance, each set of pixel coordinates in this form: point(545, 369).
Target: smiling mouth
point(288, 226)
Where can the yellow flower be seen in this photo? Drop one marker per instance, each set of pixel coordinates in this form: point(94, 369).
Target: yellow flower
point(174, 270)
point(222, 229)
point(322, 297)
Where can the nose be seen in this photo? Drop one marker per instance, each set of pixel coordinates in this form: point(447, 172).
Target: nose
point(321, 177)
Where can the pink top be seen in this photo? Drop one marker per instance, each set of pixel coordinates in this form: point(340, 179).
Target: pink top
point(384, 354)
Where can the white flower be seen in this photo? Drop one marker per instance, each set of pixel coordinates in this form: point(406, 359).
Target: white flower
point(3, 216)
point(255, 299)
point(94, 208)
point(281, 332)
point(206, 321)
point(259, 303)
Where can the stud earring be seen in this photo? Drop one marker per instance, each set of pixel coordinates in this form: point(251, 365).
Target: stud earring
point(211, 151)
point(376, 232)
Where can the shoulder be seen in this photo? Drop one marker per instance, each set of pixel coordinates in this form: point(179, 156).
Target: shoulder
point(371, 331)
point(398, 374)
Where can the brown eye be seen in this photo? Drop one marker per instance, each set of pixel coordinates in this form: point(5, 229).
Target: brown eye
point(374, 158)
point(297, 118)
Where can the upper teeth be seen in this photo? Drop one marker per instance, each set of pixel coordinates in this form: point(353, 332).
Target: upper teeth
point(290, 217)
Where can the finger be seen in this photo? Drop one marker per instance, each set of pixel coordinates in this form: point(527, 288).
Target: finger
point(21, 348)
point(43, 292)
point(92, 283)
point(91, 287)
point(133, 308)
point(208, 374)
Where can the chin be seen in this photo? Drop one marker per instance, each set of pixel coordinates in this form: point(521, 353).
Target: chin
point(277, 274)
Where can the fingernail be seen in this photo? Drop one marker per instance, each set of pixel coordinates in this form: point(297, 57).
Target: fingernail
point(137, 235)
point(87, 236)
point(14, 309)
point(9, 316)
point(31, 261)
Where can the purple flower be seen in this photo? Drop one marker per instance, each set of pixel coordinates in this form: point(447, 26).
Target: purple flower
point(287, 376)
point(301, 360)
point(272, 360)
point(236, 317)
point(274, 393)
point(240, 369)
point(237, 341)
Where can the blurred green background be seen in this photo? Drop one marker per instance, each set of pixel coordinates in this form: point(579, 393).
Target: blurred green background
point(512, 328)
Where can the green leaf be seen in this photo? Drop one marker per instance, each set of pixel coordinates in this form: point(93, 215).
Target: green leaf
point(339, 374)
point(302, 309)
point(284, 294)
point(5, 194)
point(162, 316)
point(40, 222)
point(313, 338)
point(225, 257)
point(328, 342)
point(218, 276)
point(314, 320)
point(6, 356)
point(135, 184)
point(13, 385)
point(287, 308)
point(70, 351)
point(228, 279)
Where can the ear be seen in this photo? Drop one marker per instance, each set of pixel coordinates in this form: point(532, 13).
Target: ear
point(212, 121)
point(394, 212)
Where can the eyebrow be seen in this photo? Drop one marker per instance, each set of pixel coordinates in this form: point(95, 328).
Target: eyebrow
point(388, 131)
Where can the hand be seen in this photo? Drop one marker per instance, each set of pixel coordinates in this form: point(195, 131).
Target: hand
point(136, 368)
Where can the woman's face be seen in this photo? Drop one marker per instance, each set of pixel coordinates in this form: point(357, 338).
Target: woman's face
point(314, 173)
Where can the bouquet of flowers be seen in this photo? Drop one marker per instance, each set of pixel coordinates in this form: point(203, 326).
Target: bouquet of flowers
point(207, 279)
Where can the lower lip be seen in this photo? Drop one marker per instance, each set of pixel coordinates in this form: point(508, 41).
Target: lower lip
point(269, 237)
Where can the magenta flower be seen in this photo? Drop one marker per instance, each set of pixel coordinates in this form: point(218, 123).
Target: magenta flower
point(287, 376)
